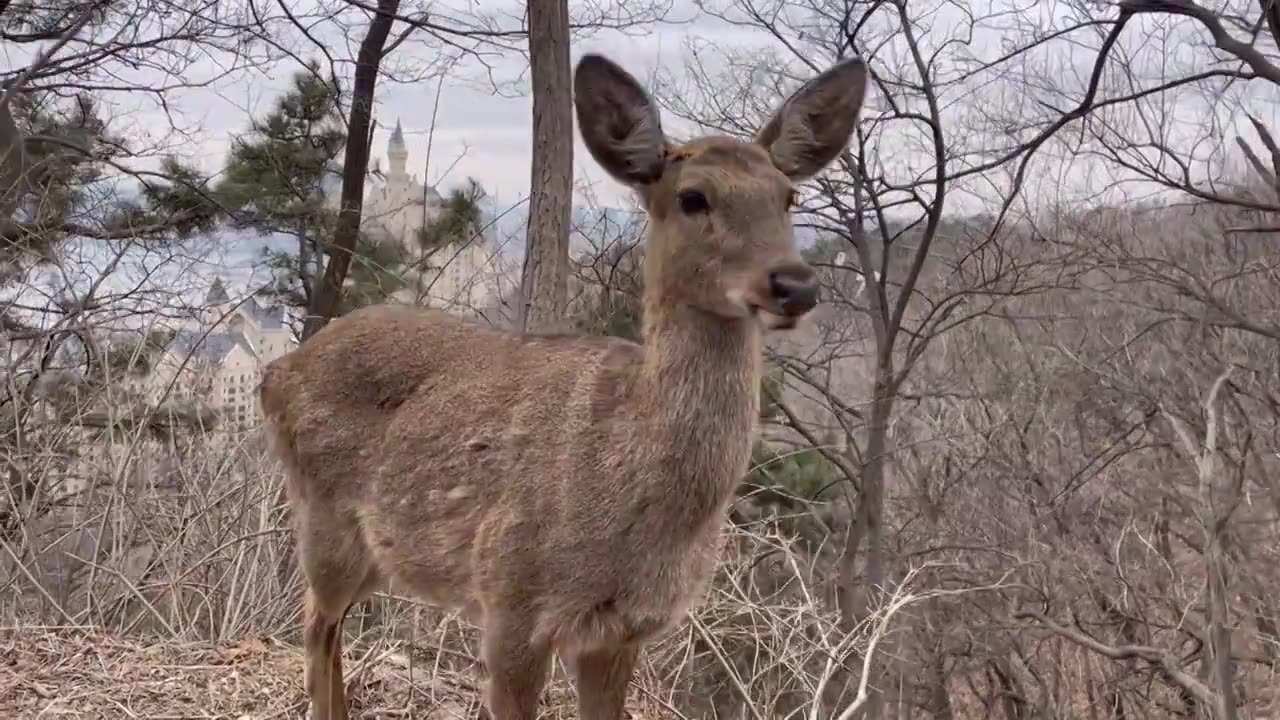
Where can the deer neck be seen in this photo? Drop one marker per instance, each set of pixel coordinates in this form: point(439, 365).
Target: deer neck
point(700, 382)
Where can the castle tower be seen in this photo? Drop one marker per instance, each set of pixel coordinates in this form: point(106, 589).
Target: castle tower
point(397, 156)
point(215, 301)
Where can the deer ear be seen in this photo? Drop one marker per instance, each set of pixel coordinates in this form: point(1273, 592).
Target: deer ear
point(618, 121)
point(813, 126)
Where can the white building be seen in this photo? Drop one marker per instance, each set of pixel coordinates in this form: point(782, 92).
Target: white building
point(460, 277)
point(219, 356)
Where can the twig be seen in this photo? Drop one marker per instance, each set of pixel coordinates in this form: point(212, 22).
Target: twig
point(44, 57)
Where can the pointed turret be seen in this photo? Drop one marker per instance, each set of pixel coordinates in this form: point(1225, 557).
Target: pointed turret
point(217, 294)
point(397, 154)
point(216, 301)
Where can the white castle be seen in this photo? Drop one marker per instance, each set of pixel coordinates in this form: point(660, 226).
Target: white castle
point(218, 355)
point(461, 277)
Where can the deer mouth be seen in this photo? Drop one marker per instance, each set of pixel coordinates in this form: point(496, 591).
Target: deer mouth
point(769, 315)
point(770, 320)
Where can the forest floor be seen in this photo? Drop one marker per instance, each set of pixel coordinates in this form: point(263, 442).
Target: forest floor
point(49, 672)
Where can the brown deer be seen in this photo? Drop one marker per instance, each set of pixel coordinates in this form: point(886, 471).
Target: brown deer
point(565, 493)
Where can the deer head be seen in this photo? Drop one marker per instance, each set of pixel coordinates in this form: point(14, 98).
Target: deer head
point(721, 238)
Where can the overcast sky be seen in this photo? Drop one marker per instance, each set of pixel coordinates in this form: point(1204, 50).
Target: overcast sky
point(478, 132)
point(485, 135)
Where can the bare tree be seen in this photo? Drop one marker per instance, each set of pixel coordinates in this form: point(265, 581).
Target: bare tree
point(929, 270)
point(544, 278)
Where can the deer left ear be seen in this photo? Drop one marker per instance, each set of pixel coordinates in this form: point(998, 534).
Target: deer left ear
point(813, 126)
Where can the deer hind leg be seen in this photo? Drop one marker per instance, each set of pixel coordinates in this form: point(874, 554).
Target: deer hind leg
point(322, 640)
point(517, 668)
point(337, 685)
point(602, 676)
point(340, 573)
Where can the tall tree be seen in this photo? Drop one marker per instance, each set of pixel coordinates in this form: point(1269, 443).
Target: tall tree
point(544, 279)
point(327, 297)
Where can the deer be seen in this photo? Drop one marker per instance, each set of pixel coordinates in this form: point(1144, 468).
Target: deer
point(565, 493)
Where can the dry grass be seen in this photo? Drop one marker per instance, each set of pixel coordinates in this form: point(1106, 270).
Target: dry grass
point(85, 673)
point(181, 565)
point(82, 672)
point(58, 672)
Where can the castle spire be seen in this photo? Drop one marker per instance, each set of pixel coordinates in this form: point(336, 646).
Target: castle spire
point(397, 153)
point(217, 293)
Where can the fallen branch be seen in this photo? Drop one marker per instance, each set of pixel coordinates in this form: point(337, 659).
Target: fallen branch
point(1161, 660)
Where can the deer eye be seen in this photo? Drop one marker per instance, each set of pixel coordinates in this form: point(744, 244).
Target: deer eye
point(693, 202)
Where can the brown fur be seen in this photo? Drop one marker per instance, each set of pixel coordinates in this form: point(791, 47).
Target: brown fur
point(566, 493)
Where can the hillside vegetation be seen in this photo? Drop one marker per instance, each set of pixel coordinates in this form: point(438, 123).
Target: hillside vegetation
point(1022, 463)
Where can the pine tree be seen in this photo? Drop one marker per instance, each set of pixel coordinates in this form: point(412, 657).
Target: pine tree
point(275, 178)
point(458, 222)
point(52, 160)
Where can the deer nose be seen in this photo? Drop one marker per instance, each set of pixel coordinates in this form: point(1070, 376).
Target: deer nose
point(795, 289)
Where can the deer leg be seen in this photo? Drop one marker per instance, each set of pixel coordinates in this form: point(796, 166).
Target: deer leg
point(602, 676)
point(321, 637)
point(337, 686)
point(517, 669)
point(339, 574)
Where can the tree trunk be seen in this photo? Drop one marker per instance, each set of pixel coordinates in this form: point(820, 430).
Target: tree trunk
point(1222, 670)
point(326, 297)
point(545, 276)
point(327, 293)
point(13, 168)
point(860, 600)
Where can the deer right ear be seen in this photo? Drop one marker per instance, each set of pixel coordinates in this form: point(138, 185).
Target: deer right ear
point(618, 121)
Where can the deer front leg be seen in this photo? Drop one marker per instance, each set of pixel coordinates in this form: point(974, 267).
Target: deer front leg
point(517, 670)
point(602, 677)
